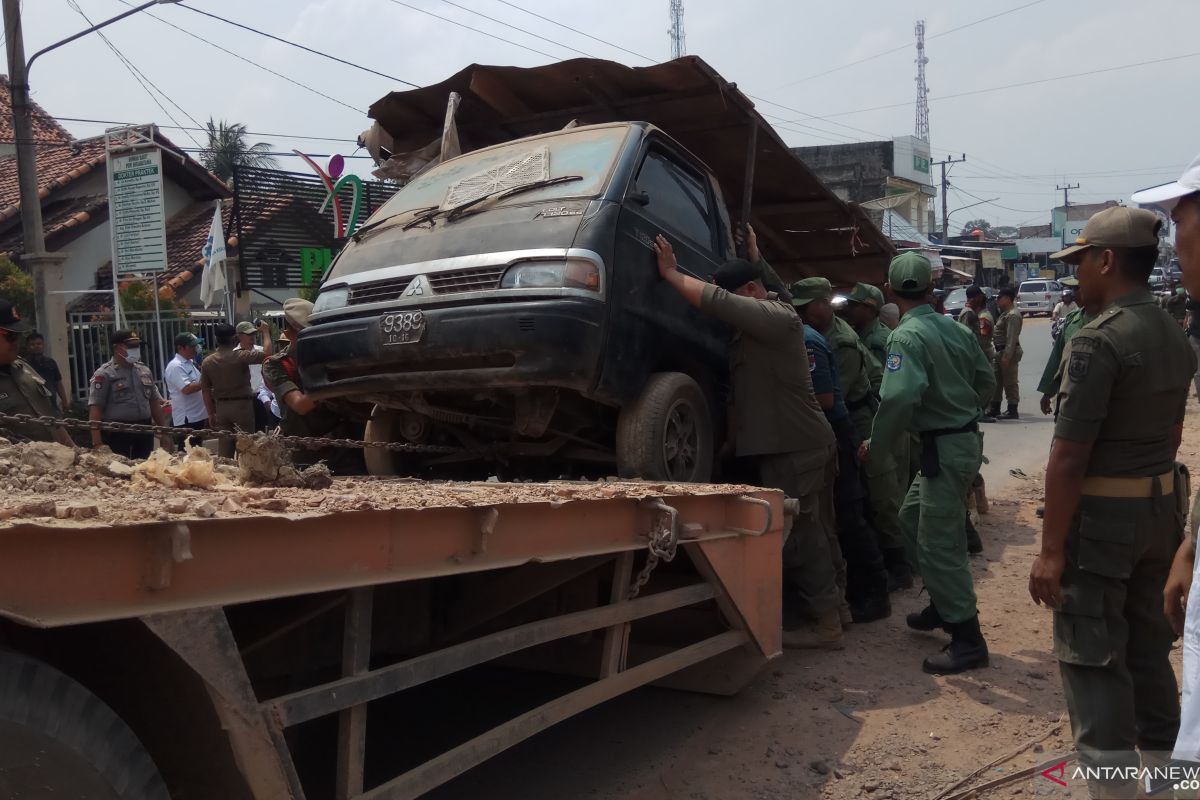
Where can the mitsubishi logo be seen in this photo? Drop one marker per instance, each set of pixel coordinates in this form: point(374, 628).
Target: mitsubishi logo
point(416, 287)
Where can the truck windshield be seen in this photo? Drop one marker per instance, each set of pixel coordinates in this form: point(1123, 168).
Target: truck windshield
point(586, 153)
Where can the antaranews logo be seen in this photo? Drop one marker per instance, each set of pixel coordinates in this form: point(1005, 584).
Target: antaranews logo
point(1144, 776)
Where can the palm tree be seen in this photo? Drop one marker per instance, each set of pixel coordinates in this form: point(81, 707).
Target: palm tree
point(227, 149)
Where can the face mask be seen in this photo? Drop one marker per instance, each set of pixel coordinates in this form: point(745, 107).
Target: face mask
point(133, 353)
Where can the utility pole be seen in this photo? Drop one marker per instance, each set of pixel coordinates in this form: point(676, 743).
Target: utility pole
point(45, 268)
point(950, 160)
point(1066, 190)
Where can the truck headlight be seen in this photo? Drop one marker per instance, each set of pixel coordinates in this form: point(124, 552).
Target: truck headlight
point(330, 299)
point(573, 274)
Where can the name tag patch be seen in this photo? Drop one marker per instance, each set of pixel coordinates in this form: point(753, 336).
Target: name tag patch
point(894, 360)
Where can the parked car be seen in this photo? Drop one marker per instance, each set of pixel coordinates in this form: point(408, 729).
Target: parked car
point(1038, 296)
point(956, 300)
point(1158, 280)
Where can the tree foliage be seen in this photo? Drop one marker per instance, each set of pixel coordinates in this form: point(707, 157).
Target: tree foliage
point(228, 149)
point(138, 296)
point(977, 224)
point(16, 286)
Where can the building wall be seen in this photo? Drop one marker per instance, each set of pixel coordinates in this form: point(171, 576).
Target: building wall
point(854, 172)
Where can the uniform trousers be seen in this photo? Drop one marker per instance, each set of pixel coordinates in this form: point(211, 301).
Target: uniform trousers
point(131, 445)
point(1111, 638)
point(1006, 379)
point(812, 559)
point(235, 415)
point(866, 576)
point(932, 522)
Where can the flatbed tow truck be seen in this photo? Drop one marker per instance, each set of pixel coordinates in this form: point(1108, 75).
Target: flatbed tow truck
point(245, 655)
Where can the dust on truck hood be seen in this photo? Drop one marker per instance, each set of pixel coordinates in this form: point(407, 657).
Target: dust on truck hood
point(804, 228)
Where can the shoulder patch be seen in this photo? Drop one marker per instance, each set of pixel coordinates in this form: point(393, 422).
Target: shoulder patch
point(1080, 361)
point(894, 360)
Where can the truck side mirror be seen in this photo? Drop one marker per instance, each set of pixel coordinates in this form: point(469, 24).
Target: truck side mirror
point(639, 197)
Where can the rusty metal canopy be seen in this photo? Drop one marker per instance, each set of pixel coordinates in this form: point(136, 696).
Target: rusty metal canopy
point(803, 228)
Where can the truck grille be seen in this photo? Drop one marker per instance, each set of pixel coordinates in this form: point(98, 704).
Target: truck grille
point(467, 280)
point(378, 291)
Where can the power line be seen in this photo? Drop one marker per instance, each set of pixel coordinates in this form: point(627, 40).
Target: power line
point(1100, 71)
point(905, 46)
point(137, 74)
point(248, 61)
point(516, 28)
point(997, 205)
point(299, 46)
point(477, 30)
point(576, 30)
point(203, 128)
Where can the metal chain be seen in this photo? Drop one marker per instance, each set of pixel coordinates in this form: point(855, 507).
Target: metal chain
point(308, 442)
point(664, 542)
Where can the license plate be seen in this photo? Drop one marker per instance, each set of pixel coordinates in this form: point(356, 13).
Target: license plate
point(402, 327)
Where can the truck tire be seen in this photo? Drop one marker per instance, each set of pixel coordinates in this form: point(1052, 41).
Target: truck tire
point(57, 739)
point(667, 433)
point(384, 426)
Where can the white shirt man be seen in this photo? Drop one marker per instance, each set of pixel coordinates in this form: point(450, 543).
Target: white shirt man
point(182, 378)
point(1063, 308)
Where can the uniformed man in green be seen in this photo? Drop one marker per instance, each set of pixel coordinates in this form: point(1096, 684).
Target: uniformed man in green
point(887, 483)
point(972, 316)
point(1111, 525)
point(862, 308)
point(22, 389)
point(934, 380)
point(300, 414)
point(780, 428)
point(225, 382)
point(1052, 374)
point(1007, 341)
point(123, 390)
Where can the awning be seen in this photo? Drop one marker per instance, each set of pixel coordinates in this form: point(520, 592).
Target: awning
point(803, 227)
point(960, 273)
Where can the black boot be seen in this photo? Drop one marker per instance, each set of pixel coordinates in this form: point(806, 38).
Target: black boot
point(1011, 413)
point(926, 620)
point(974, 543)
point(967, 650)
point(870, 608)
point(899, 573)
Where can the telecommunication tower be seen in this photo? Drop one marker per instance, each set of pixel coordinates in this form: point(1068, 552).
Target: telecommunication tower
point(678, 43)
point(922, 90)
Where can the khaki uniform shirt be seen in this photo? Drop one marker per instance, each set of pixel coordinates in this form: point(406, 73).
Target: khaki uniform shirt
point(24, 391)
point(226, 373)
point(855, 364)
point(282, 377)
point(774, 405)
point(935, 378)
point(1125, 388)
point(1007, 336)
point(123, 394)
point(975, 323)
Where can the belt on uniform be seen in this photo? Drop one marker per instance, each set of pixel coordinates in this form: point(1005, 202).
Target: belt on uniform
point(1100, 486)
point(236, 397)
point(931, 465)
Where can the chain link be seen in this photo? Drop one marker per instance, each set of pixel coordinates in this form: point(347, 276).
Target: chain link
point(307, 442)
point(664, 541)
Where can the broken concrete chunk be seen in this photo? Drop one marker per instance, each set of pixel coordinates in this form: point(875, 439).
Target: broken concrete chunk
point(38, 508)
point(270, 504)
point(205, 509)
point(118, 469)
point(176, 506)
point(48, 456)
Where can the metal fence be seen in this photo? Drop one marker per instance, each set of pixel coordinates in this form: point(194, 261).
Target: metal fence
point(90, 332)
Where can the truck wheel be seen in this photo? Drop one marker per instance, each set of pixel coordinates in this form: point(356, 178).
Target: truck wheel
point(666, 434)
point(57, 739)
point(384, 426)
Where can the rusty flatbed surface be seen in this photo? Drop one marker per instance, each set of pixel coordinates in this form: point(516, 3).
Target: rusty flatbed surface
point(57, 572)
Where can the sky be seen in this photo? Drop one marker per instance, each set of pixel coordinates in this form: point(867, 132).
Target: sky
point(1112, 131)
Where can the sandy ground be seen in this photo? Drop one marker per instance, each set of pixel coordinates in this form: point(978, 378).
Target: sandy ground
point(863, 722)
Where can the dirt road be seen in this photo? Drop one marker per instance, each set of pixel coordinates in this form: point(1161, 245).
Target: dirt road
point(863, 722)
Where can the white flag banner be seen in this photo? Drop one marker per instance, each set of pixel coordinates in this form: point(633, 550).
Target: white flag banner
point(212, 280)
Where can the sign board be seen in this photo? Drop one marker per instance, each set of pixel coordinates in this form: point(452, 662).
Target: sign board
point(911, 159)
point(138, 217)
point(991, 259)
